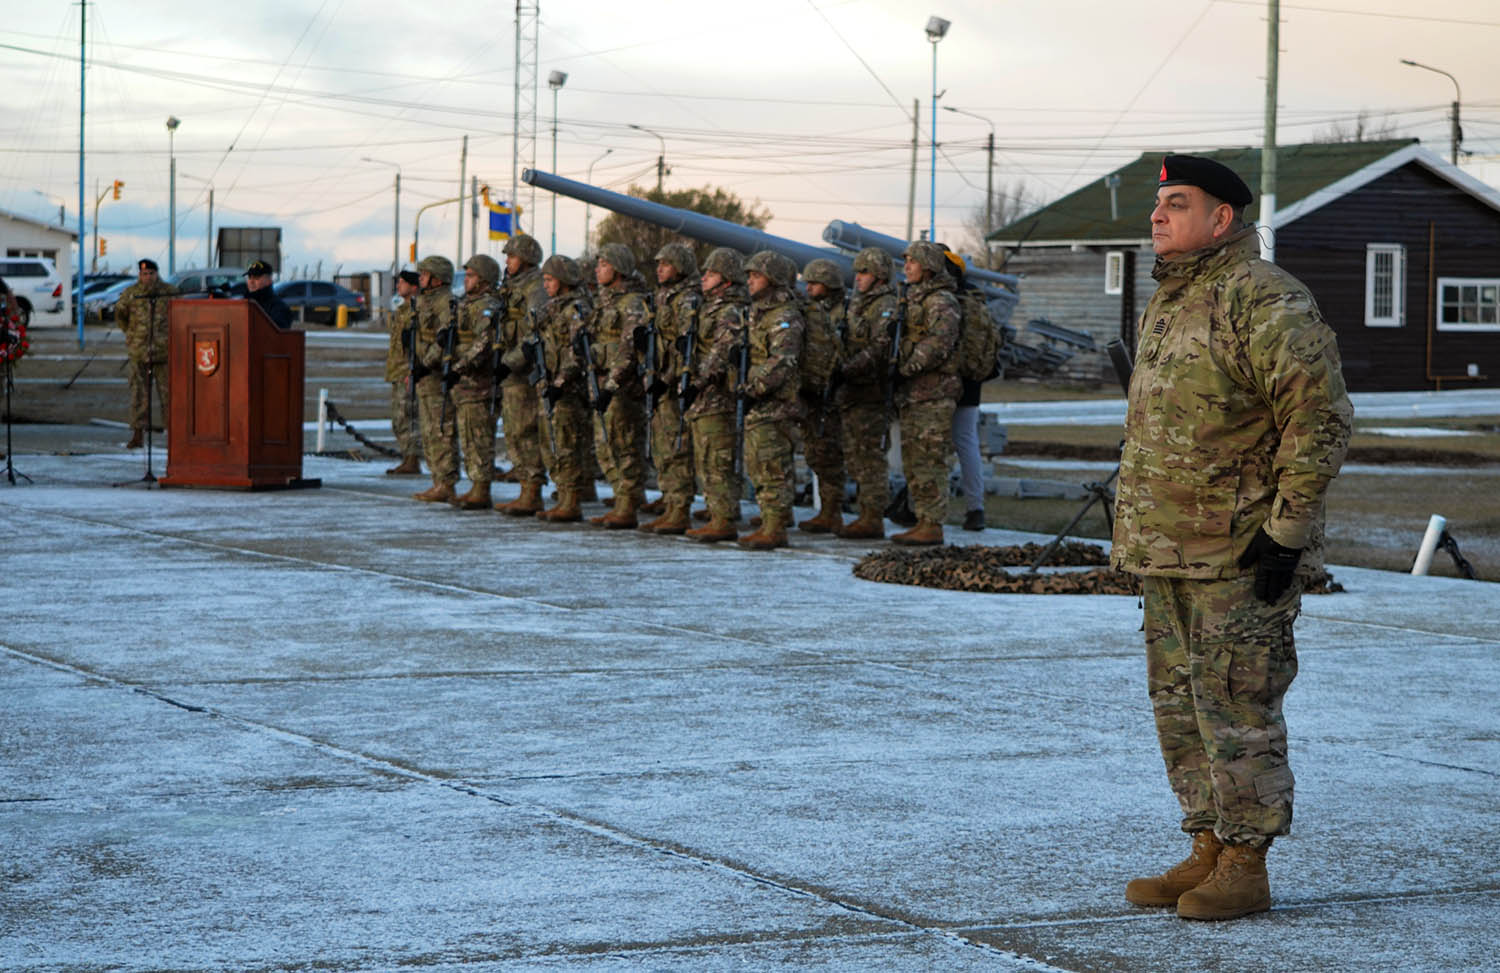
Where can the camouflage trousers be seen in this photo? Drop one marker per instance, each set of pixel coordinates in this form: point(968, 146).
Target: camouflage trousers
point(926, 441)
point(713, 456)
point(864, 427)
point(1218, 663)
point(439, 437)
point(823, 448)
point(568, 459)
point(620, 441)
point(476, 435)
point(674, 465)
point(404, 424)
point(519, 406)
point(139, 372)
point(769, 463)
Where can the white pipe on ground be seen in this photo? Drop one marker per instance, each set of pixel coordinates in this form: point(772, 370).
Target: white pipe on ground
point(323, 421)
point(1435, 528)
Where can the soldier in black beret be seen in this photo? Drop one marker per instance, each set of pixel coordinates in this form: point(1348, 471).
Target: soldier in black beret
point(1198, 201)
point(258, 281)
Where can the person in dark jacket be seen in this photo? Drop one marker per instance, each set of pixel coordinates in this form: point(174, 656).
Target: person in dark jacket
point(258, 280)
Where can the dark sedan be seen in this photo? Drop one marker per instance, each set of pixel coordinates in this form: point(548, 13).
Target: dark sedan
point(317, 301)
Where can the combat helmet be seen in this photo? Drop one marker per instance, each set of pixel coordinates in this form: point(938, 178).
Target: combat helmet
point(618, 256)
point(680, 256)
point(825, 272)
point(486, 267)
point(523, 246)
point(563, 269)
point(873, 261)
point(439, 267)
point(727, 263)
point(780, 271)
point(930, 256)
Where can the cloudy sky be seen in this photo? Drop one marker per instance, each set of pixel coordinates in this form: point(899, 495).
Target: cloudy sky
point(802, 105)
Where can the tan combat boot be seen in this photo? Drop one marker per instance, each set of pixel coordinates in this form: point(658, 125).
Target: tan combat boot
point(925, 534)
point(478, 497)
point(714, 530)
point(1192, 871)
point(566, 511)
point(674, 521)
point(437, 493)
point(409, 466)
point(621, 516)
point(828, 519)
point(657, 506)
point(137, 439)
point(1237, 887)
point(869, 527)
point(525, 505)
point(772, 534)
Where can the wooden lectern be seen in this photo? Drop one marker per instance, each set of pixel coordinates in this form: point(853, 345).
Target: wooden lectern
point(235, 398)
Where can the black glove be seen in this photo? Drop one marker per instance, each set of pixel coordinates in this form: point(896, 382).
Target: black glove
point(656, 387)
point(451, 379)
point(639, 338)
point(605, 396)
point(689, 396)
point(419, 372)
point(502, 371)
point(443, 336)
point(552, 393)
point(406, 340)
point(1275, 566)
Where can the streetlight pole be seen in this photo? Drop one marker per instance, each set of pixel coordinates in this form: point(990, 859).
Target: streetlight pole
point(172, 123)
point(396, 234)
point(661, 159)
point(937, 28)
point(555, 81)
point(586, 208)
point(989, 175)
point(1456, 133)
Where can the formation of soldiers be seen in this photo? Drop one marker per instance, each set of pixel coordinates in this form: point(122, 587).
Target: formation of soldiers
point(716, 374)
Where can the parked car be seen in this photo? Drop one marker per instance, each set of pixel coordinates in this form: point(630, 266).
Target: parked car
point(36, 279)
point(218, 281)
point(317, 301)
point(100, 305)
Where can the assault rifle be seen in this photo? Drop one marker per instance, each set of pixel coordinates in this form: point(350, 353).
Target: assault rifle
point(409, 341)
point(898, 332)
point(584, 347)
point(686, 344)
point(650, 379)
point(742, 377)
point(536, 353)
point(447, 336)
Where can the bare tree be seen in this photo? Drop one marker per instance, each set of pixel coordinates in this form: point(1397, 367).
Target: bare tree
point(1010, 203)
point(645, 239)
point(1359, 130)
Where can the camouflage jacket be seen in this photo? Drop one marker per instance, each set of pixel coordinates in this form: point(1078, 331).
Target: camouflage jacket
point(867, 346)
point(522, 296)
point(562, 318)
point(436, 311)
point(776, 336)
point(677, 307)
point(474, 344)
point(621, 313)
point(1238, 418)
point(721, 325)
point(143, 309)
point(396, 365)
point(822, 345)
point(927, 357)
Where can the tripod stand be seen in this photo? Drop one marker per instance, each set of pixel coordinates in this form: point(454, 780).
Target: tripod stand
point(150, 477)
point(12, 346)
point(10, 467)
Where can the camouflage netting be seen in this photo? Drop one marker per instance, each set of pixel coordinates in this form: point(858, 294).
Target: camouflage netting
point(984, 569)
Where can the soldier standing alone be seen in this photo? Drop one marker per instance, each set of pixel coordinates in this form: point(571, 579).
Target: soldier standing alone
point(929, 387)
point(1238, 420)
point(141, 315)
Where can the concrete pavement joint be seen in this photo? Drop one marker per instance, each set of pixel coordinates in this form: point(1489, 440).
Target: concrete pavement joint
point(1435, 763)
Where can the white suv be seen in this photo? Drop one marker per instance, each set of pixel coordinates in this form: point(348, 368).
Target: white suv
point(34, 278)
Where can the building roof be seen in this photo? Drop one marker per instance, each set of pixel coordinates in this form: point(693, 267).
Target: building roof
point(1304, 174)
point(18, 218)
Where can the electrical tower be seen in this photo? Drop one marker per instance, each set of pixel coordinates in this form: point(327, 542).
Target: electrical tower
point(523, 152)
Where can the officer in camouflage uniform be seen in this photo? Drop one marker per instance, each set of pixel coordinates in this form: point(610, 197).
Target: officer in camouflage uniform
point(436, 314)
point(678, 299)
point(776, 337)
point(822, 351)
point(141, 316)
point(720, 329)
point(1238, 420)
point(473, 368)
point(522, 296)
point(618, 323)
point(862, 394)
point(398, 373)
point(565, 396)
point(928, 391)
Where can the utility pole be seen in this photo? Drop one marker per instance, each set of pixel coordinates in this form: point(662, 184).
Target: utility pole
point(463, 176)
point(1268, 147)
point(911, 193)
point(83, 10)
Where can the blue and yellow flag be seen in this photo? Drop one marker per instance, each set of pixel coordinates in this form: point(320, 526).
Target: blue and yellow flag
point(502, 220)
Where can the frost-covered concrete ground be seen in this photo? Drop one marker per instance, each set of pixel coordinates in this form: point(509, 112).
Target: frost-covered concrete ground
point(336, 729)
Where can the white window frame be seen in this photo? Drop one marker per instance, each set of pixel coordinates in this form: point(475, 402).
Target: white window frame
point(1114, 272)
point(1488, 296)
point(1397, 296)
